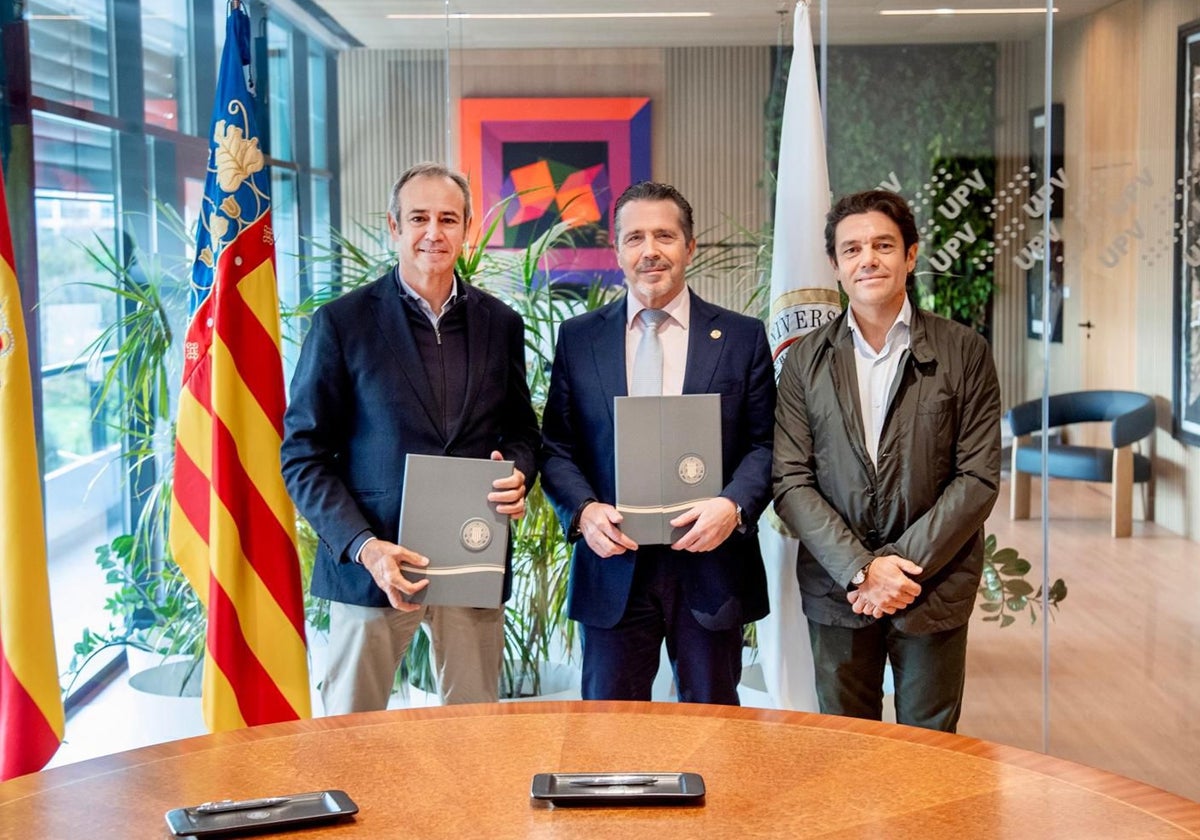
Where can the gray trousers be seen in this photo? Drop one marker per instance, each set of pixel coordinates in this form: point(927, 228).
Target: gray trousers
point(367, 644)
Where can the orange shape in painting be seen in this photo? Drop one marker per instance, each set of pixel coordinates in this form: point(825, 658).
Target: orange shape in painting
point(535, 192)
point(577, 200)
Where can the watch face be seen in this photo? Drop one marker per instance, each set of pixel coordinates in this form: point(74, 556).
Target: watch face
point(691, 469)
point(476, 534)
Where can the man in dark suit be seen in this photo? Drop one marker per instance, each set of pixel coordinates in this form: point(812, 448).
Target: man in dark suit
point(698, 592)
point(415, 362)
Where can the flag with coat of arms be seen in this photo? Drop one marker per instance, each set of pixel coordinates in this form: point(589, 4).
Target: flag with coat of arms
point(804, 295)
point(232, 521)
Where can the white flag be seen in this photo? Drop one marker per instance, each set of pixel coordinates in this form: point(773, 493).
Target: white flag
point(804, 296)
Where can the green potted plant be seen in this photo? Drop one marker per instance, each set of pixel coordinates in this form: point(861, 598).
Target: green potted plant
point(152, 607)
point(1004, 591)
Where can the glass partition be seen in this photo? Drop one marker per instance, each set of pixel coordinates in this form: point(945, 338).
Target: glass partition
point(1121, 652)
point(1048, 154)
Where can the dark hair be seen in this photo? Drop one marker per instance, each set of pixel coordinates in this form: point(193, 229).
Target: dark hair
point(654, 191)
point(881, 201)
point(430, 170)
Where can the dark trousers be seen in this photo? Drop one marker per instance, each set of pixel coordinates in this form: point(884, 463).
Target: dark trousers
point(620, 663)
point(928, 672)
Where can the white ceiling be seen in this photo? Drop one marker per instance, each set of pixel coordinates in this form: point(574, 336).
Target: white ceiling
point(734, 22)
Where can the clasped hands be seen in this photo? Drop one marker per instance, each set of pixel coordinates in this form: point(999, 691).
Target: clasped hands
point(889, 587)
point(712, 521)
point(383, 559)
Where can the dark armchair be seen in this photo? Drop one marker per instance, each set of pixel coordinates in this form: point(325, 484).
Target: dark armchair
point(1132, 416)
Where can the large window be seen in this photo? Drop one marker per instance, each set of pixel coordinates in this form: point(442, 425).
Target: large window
point(318, 126)
point(70, 49)
point(282, 71)
point(167, 64)
point(117, 193)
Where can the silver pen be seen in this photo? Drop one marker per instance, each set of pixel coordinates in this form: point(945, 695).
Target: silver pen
point(222, 805)
point(613, 780)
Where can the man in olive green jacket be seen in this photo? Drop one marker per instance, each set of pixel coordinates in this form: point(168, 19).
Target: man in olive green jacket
point(886, 465)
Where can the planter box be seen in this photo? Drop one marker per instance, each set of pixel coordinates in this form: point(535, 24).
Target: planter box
point(173, 678)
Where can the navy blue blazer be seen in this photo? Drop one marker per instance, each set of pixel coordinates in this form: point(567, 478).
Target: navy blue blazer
point(360, 402)
point(728, 355)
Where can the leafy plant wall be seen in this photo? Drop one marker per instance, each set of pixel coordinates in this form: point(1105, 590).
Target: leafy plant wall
point(893, 110)
point(918, 120)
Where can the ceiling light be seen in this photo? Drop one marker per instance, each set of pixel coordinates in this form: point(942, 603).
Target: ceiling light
point(1029, 10)
point(550, 15)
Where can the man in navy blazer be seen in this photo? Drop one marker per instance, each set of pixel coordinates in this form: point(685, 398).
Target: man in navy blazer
point(415, 362)
point(698, 592)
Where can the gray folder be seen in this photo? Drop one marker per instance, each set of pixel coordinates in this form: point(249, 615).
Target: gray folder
point(668, 458)
point(445, 515)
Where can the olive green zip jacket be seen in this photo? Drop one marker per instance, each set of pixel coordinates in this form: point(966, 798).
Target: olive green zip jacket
point(937, 478)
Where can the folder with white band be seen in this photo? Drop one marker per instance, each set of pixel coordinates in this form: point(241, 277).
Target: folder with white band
point(445, 515)
point(668, 452)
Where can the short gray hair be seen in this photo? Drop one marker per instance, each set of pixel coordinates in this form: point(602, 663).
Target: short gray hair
point(430, 170)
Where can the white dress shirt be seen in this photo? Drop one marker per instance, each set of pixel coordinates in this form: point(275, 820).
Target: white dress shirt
point(674, 336)
point(877, 372)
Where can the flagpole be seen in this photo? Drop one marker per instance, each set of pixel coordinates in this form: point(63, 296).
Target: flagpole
point(803, 297)
point(232, 523)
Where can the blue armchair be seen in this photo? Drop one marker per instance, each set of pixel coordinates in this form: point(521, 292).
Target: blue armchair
point(1133, 417)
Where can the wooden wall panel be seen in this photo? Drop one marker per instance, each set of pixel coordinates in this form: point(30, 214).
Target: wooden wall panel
point(1115, 72)
point(391, 114)
point(1108, 221)
point(1176, 500)
point(713, 127)
point(1012, 153)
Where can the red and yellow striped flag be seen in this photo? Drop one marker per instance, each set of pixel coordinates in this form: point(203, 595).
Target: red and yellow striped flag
point(31, 709)
point(232, 522)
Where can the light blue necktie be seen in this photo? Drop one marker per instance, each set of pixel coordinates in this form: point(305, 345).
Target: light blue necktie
point(648, 360)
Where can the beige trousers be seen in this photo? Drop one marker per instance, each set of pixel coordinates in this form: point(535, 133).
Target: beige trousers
point(367, 644)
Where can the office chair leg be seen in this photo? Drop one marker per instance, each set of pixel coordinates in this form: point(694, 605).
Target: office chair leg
point(1018, 486)
point(1122, 492)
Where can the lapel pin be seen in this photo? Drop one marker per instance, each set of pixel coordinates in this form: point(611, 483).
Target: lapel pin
point(715, 334)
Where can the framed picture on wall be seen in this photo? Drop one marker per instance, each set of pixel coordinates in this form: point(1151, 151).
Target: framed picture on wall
point(1047, 171)
point(1034, 283)
point(542, 160)
point(1186, 357)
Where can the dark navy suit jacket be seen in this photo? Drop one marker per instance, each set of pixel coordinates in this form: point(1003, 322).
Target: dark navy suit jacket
point(361, 401)
point(727, 355)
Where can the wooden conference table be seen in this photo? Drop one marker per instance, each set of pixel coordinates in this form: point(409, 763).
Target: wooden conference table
point(464, 772)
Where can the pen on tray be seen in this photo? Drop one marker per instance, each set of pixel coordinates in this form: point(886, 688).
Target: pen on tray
point(613, 781)
point(222, 805)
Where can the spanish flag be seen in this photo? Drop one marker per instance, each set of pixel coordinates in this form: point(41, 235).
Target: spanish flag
point(31, 709)
point(232, 522)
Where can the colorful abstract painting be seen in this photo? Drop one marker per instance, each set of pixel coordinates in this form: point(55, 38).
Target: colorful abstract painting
point(555, 159)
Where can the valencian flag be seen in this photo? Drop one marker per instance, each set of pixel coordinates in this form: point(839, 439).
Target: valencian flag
point(232, 522)
point(31, 710)
point(804, 296)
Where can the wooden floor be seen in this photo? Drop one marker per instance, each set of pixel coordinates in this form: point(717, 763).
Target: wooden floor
point(1124, 647)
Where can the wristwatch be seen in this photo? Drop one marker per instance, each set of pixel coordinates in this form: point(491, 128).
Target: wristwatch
point(737, 509)
point(860, 577)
